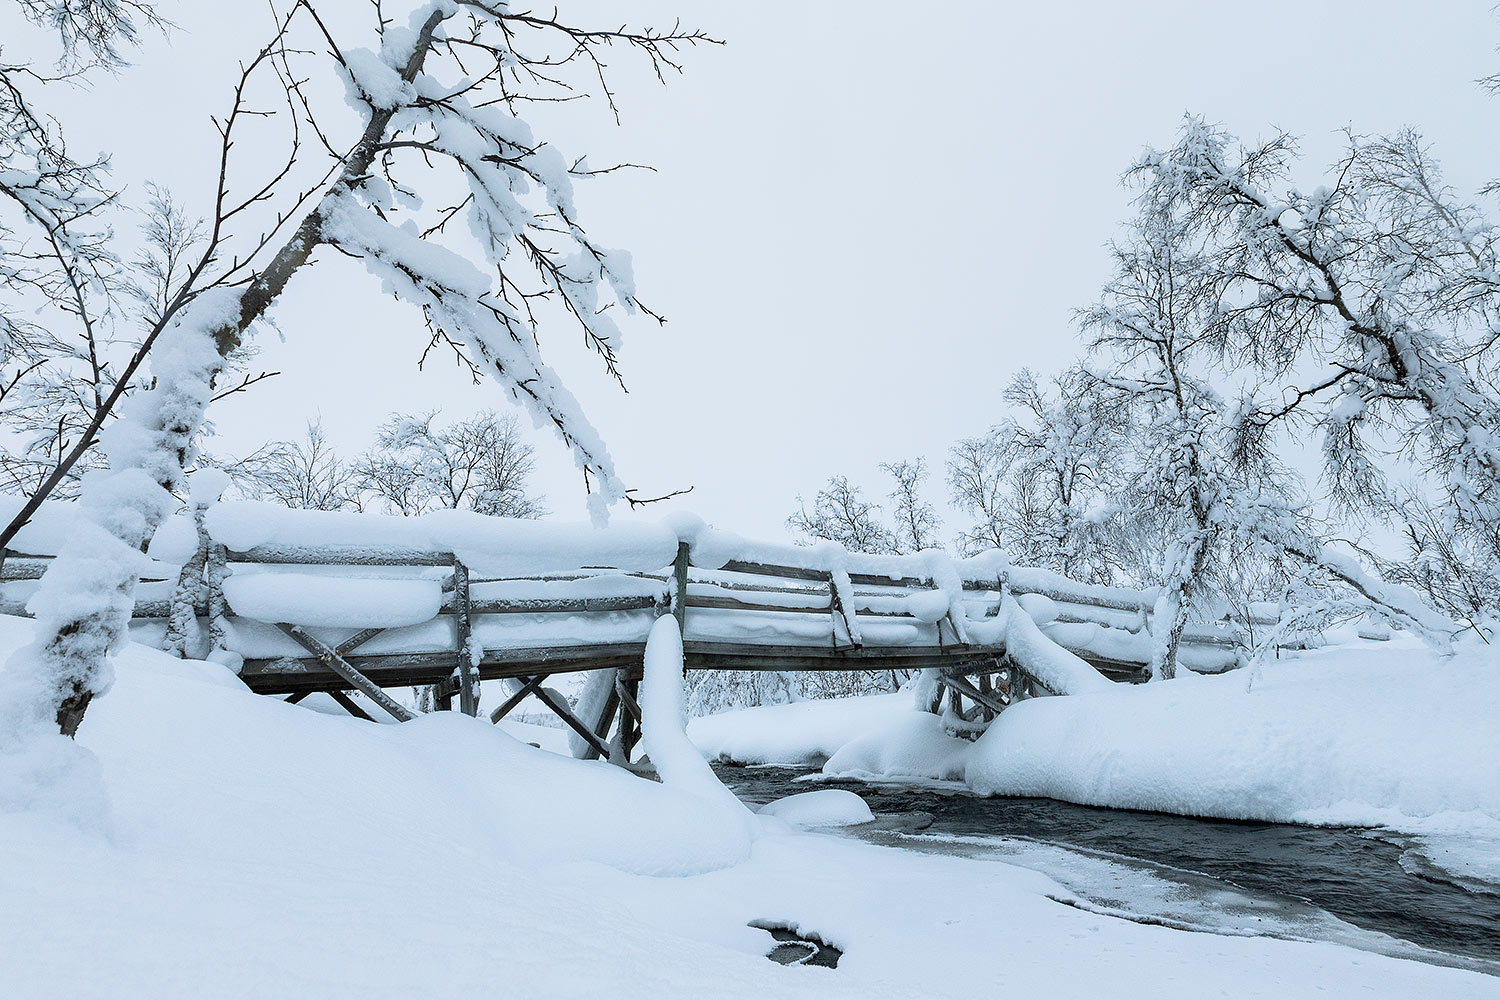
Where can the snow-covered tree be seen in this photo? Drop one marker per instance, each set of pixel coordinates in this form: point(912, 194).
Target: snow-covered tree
point(1214, 506)
point(1374, 299)
point(915, 521)
point(481, 463)
point(308, 474)
point(840, 513)
point(438, 106)
point(1037, 484)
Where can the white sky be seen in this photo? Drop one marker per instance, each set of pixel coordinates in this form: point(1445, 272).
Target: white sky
point(866, 216)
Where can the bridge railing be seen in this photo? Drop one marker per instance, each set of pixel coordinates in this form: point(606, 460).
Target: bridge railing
point(523, 601)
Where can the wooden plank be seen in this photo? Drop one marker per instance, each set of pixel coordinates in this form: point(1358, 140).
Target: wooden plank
point(348, 704)
point(297, 697)
point(736, 604)
point(340, 666)
point(579, 605)
point(769, 569)
point(339, 555)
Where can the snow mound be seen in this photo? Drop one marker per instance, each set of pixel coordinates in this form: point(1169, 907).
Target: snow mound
point(1340, 735)
point(324, 601)
point(914, 746)
point(823, 808)
point(807, 732)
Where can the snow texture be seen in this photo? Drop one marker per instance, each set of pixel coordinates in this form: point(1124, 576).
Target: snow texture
point(325, 602)
point(825, 807)
point(241, 827)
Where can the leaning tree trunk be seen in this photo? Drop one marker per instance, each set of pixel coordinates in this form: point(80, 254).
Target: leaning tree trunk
point(84, 601)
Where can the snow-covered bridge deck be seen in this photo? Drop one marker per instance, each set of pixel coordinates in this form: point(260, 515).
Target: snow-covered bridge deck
point(304, 601)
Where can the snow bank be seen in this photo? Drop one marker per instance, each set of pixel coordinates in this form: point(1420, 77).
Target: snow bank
point(913, 746)
point(241, 827)
point(826, 807)
point(806, 732)
point(676, 760)
point(1361, 734)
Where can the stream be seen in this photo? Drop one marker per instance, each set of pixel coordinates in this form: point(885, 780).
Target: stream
point(1369, 889)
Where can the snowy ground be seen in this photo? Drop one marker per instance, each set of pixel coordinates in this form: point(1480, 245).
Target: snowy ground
point(1380, 734)
point(244, 847)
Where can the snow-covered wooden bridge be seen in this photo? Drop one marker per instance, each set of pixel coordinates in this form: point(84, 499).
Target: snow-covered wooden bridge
point(306, 601)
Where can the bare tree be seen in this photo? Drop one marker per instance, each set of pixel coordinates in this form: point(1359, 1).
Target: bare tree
point(438, 103)
point(1038, 484)
point(480, 464)
point(916, 521)
point(306, 474)
point(841, 514)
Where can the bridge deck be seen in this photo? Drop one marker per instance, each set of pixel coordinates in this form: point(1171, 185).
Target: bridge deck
point(324, 610)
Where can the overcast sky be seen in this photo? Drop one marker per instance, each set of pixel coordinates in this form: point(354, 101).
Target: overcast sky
point(866, 216)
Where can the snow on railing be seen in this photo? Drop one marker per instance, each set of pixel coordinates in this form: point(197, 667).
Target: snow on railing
point(357, 570)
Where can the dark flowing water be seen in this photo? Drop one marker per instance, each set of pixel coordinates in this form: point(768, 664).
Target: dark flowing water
point(1290, 876)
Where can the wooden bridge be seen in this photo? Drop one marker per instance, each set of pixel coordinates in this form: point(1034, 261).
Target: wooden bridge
point(313, 606)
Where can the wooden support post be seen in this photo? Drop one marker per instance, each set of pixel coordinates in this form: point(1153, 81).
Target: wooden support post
point(987, 699)
point(293, 699)
point(468, 697)
point(935, 703)
point(979, 697)
point(630, 716)
point(333, 661)
point(606, 718)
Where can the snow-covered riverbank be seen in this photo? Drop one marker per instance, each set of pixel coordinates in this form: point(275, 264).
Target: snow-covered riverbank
point(1367, 733)
point(239, 846)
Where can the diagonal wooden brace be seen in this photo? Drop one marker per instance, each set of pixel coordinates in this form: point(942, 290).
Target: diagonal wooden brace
point(507, 706)
point(560, 708)
point(331, 659)
point(962, 685)
point(356, 640)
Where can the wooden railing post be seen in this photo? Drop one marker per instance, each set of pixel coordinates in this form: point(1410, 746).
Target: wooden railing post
point(679, 587)
point(468, 695)
point(845, 629)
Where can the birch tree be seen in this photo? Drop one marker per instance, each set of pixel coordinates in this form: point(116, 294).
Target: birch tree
point(1372, 299)
point(1038, 483)
point(438, 103)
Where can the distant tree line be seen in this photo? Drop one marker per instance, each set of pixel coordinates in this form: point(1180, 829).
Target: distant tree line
point(418, 463)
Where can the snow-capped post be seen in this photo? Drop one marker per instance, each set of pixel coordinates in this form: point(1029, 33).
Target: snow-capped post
point(680, 585)
point(840, 602)
point(462, 115)
point(468, 691)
